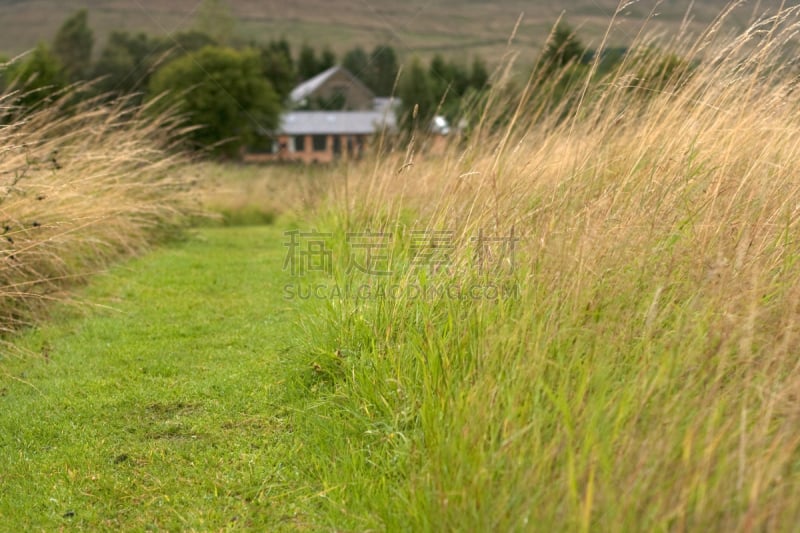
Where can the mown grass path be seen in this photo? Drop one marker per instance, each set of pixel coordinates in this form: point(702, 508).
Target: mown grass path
point(164, 410)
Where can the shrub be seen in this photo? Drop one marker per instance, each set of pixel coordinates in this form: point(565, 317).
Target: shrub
point(222, 91)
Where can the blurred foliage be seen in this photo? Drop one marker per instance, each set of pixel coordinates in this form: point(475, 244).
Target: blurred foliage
point(223, 90)
point(457, 90)
point(38, 77)
point(73, 46)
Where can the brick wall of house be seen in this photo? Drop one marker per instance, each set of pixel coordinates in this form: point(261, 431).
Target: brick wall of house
point(310, 150)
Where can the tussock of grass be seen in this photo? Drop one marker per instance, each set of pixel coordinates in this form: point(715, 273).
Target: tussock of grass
point(646, 377)
point(81, 185)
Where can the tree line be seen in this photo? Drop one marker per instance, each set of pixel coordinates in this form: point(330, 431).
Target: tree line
point(236, 90)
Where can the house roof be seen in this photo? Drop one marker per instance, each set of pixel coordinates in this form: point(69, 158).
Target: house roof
point(307, 88)
point(335, 122)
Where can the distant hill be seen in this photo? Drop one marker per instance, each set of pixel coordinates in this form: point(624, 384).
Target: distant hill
point(460, 27)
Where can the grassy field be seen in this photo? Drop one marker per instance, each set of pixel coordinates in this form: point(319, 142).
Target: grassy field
point(584, 315)
point(456, 27)
point(630, 363)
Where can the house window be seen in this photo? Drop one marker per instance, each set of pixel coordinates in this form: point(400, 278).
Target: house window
point(319, 143)
point(300, 143)
point(337, 145)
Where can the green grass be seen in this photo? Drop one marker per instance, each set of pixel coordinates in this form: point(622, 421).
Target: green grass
point(644, 378)
point(195, 397)
point(162, 408)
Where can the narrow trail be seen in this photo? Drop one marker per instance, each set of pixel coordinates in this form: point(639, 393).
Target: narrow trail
point(163, 407)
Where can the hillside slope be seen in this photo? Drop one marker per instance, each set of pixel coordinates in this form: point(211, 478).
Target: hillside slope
point(460, 27)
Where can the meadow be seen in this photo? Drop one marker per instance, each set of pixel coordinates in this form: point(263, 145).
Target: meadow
point(645, 377)
point(634, 368)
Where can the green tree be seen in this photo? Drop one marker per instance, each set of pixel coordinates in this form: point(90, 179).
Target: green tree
point(609, 61)
point(479, 75)
point(561, 72)
point(276, 66)
point(327, 59)
point(418, 101)
point(186, 42)
point(38, 77)
point(450, 82)
point(214, 18)
point(307, 64)
point(222, 90)
point(563, 47)
point(281, 46)
point(438, 74)
point(458, 76)
point(128, 61)
point(383, 60)
point(73, 46)
point(124, 64)
point(658, 71)
point(358, 63)
point(378, 70)
point(4, 64)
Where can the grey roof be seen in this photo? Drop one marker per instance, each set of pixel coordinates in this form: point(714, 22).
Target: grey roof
point(309, 86)
point(335, 122)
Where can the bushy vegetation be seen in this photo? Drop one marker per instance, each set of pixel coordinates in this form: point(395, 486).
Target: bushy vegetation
point(222, 91)
point(378, 69)
point(445, 88)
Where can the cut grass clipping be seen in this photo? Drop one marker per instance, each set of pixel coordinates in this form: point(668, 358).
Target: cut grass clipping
point(80, 186)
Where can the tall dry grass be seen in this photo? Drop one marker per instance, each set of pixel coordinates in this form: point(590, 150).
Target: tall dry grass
point(81, 185)
point(245, 194)
point(648, 375)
